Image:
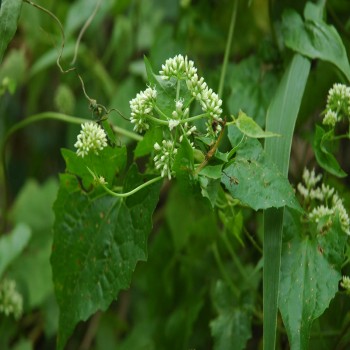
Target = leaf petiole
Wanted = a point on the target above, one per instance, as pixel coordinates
(126, 194)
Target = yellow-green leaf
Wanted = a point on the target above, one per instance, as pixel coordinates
(250, 128)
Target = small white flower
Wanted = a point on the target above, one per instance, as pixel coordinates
(212, 104)
(332, 203)
(303, 190)
(337, 95)
(343, 215)
(92, 138)
(178, 113)
(164, 160)
(179, 104)
(197, 86)
(330, 118)
(316, 194)
(179, 67)
(173, 123)
(101, 180)
(338, 103)
(320, 212)
(11, 302)
(327, 191)
(208, 99)
(141, 107)
(310, 178)
(345, 283)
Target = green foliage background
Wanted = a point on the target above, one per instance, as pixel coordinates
(201, 287)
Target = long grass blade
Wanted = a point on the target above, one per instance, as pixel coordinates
(281, 117)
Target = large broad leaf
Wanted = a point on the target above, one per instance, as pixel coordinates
(256, 181)
(9, 14)
(252, 87)
(97, 243)
(107, 163)
(307, 255)
(314, 38)
(232, 328)
(12, 244)
(324, 157)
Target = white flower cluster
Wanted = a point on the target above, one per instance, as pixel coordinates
(178, 67)
(182, 68)
(330, 118)
(310, 181)
(141, 107)
(11, 302)
(164, 160)
(338, 104)
(345, 283)
(92, 138)
(336, 207)
(208, 99)
(331, 204)
(179, 123)
(188, 130)
(178, 114)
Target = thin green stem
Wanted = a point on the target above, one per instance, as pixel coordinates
(158, 121)
(343, 136)
(83, 29)
(176, 99)
(189, 102)
(127, 133)
(234, 149)
(345, 263)
(42, 116)
(234, 257)
(228, 48)
(177, 90)
(223, 271)
(61, 31)
(183, 121)
(196, 117)
(252, 240)
(127, 194)
(11, 131)
(160, 112)
(36, 118)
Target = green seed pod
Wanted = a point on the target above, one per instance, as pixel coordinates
(198, 156)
